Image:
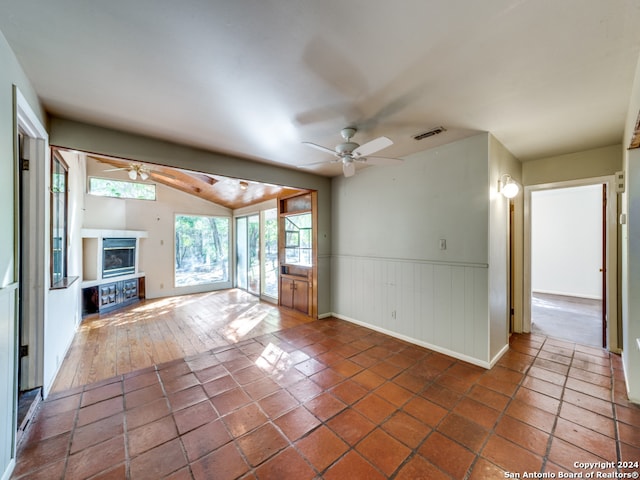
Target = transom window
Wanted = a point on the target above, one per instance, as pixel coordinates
(108, 187)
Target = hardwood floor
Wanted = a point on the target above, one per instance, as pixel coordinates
(157, 331)
(574, 319)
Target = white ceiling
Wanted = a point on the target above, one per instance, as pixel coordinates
(255, 78)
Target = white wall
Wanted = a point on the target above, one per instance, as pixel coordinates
(501, 162)
(158, 219)
(10, 74)
(630, 234)
(63, 308)
(594, 163)
(389, 272)
(566, 241)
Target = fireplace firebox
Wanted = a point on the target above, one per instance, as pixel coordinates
(118, 257)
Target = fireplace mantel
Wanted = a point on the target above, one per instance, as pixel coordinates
(109, 233)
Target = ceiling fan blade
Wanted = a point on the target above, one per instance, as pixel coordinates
(117, 169)
(380, 161)
(319, 147)
(315, 164)
(373, 146)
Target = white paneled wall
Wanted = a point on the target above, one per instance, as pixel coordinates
(442, 306)
(8, 298)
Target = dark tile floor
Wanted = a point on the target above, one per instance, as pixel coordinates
(334, 400)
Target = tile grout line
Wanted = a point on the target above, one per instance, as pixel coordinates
(502, 414)
(545, 459)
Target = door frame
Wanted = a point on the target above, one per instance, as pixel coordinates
(260, 213)
(31, 238)
(611, 265)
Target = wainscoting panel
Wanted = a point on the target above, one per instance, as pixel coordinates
(8, 394)
(439, 305)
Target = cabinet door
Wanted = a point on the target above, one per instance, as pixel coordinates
(301, 296)
(108, 295)
(129, 290)
(286, 292)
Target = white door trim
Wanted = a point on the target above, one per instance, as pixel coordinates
(611, 260)
(36, 149)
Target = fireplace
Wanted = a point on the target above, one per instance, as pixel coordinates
(118, 257)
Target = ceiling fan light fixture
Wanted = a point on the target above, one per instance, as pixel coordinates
(348, 168)
(349, 152)
(143, 175)
(132, 173)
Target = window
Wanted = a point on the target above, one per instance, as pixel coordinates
(298, 234)
(201, 250)
(107, 187)
(59, 181)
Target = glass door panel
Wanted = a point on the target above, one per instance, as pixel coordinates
(270, 262)
(241, 252)
(253, 254)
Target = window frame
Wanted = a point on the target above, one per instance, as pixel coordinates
(224, 283)
(115, 180)
(59, 224)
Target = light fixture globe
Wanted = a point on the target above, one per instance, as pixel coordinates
(508, 187)
(132, 173)
(348, 167)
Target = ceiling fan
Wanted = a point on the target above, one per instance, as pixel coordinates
(134, 171)
(350, 152)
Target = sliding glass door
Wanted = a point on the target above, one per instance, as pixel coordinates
(257, 253)
(241, 253)
(248, 253)
(253, 254)
(270, 241)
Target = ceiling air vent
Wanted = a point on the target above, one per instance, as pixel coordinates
(430, 133)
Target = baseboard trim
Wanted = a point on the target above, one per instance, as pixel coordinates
(9, 470)
(499, 355)
(415, 341)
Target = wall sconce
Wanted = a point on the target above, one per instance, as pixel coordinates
(507, 186)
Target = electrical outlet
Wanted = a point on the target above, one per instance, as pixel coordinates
(443, 244)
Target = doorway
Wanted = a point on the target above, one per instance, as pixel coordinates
(31, 155)
(570, 261)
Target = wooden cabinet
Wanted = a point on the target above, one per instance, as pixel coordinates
(298, 257)
(294, 292)
(107, 296)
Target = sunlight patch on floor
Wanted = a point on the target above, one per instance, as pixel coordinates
(274, 360)
(245, 323)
